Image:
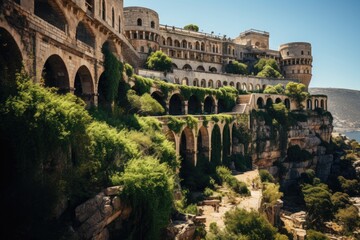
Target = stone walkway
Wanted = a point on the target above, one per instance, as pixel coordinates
(248, 203)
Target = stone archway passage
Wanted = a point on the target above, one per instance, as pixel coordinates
(83, 87)
(84, 34)
(160, 99)
(194, 105)
(176, 105)
(216, 146)
(55, 74)
(260, 102)
(51, 13)
(226, 158)
(10, 62)
(209, 105)
(187, 158)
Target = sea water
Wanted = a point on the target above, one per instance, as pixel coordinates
(353, 135)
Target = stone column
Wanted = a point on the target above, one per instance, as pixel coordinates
(186, 108)
(137, 35)
(216, 109)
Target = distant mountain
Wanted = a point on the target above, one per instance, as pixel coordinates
(344, 104)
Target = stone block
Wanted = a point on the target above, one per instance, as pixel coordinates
(112, 191)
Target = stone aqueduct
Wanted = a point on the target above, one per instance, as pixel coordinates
(60, 41)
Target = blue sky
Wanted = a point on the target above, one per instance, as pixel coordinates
(332, 27)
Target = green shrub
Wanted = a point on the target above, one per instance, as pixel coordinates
(314, 235)
(129, 70)
(208, 192)
(265, 176)
(225, 176)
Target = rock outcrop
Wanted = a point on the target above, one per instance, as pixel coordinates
(97, 213)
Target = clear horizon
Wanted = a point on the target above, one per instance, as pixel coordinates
(332, 28)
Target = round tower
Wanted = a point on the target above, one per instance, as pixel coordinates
(296, 61)
(142, 29)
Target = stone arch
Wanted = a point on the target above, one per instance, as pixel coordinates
(211, 83)
(174, 66)
(184, 43)
(209, 105)
(260, 102)
(102, 98)
(264, 87)
(188, 156)
(194, 105)
(322, 105)
(226, 144)
(83, 85)
(278, 100)
(163, 41)
(250, 87)
(55, 74)
(187, 67)
(158, 96)
(213, 69)
(109, 45)
(203, 83)
(139, 22)
(244, 88)
(152, 24)
(197, 45)
(10, 61)
(218, 84)
(316, 103)
(202, 46)
(169, 41)
(225, 83)
(50, 12)
(189, 138)
(309, 104)
(258, 87)
(238, 86)
(196, 82)
(200, 68)
(221, 106)
(232, 84)
(176, 43)
(269, 102)
(216, 144)
(203, 144)
(185, 81)
(176, 104)
(85, 35)
(287, 103)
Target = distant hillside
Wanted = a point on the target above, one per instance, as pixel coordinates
(344, 106)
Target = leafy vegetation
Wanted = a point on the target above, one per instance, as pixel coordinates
(159, 61)
(226, 177)
(296, 92)
(265, 176)
(276, 89)
(236, 68)
(192, 27)
(267, 68)
(314, 235)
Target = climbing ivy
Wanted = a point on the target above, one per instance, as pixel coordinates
(175, 124)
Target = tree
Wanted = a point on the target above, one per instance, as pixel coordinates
(271, 194)
(348, 218)
(297, 92)
(340, 200)
(315, 235)
(159, 61)
(265, 176)
(144, 104)
(349, 186)
(192, 27)
(318, 203)
(277, 89)
(251, 224)
(236, 68)
(269, 72)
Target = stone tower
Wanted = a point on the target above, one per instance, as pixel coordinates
(142, 29)
(296, 61)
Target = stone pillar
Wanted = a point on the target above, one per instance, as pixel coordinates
(131, 35)
(216, 109)
(202, 107)
(137, 35)
(186, 107)
(143, 34)
(167, 107)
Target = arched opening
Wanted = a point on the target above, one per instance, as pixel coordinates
(309, 104)
(187, 162)
(200, 68)
(185, 81)
(184, 43)
(322, 105)
(225, 83)
(203, 170)
(10, 63)
(203, 83)
(197, 45)
(139, 22)
(221, 106)
(211, 83)
(119, 24)
(187, 67)
(278, 100)
(287, 103)
(51, 13)
(158, 96)
(84, 34)
(203, 144)
(232, 84)
(269, 102)
(226, 156)
(103, 8)
(83, 87)
(250, 87)
(196, 82)
(176, 105)
(152, 24)
(316, 103)
(209, 105)
(216, 146)
(244, 88)
(218, 84)
(169, 41)
(260, 103)
(102, 91)
(90, 5)
(238, 86)
(55, 74)
(258, 87)
(176, 43)
(194, 105)
(202, 46)
(213, 70)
